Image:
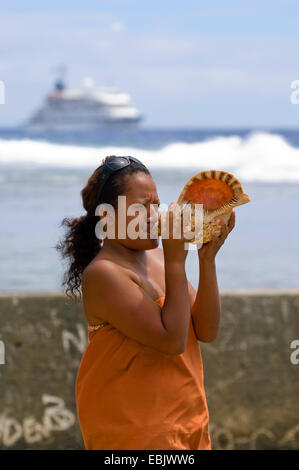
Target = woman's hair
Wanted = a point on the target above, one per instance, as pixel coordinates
(80, 243)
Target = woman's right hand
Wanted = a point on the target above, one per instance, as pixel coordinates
(174, 248)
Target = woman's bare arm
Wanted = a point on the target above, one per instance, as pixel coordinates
(111, 292)
(125, 305)
(206, 307)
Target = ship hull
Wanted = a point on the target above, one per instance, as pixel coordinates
(81, 126)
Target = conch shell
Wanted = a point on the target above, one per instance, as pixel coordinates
(219, 192)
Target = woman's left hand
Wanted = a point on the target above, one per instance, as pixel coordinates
(209, 250)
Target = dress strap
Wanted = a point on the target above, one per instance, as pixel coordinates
(101, 325)
(96, 327)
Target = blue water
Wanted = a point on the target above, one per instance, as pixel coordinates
(41, 178)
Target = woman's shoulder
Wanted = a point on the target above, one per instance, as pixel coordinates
(94, 276)
(102, 267)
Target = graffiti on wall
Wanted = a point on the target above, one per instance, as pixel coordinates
(224, 439)
(56, 417)
(2, 352)
(71, 340)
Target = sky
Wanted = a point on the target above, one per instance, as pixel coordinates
(193, 64)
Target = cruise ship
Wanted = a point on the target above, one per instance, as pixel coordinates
(86, 109)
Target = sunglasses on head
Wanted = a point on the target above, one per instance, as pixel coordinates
(113, 165)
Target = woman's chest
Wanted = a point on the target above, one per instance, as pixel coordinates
(151, 279)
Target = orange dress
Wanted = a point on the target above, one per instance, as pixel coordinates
(132, 397)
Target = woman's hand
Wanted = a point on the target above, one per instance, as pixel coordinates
(209, 250)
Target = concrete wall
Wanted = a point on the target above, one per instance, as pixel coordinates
(251, 383)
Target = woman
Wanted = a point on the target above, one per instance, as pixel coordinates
(140, 382)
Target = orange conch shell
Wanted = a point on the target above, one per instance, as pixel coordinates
(219, 192)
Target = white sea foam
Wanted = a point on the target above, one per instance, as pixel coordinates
(259, 157)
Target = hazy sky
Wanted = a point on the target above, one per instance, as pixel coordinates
(217, 63)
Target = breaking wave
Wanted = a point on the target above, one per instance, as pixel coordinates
(258, 157)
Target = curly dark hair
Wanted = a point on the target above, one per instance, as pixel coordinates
(80, 243)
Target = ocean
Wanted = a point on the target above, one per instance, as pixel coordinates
(41, 178)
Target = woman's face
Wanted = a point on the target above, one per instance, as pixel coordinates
(142, 193)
